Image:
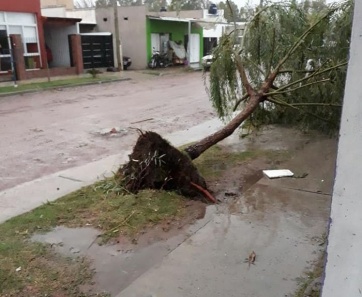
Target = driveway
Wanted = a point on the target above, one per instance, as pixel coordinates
(45, 132)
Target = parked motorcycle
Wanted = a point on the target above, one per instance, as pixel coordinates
(158, 60)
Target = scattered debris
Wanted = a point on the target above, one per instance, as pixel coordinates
(74, 250)
(278, 173)
(150, 119)
(314, 287)
(303, 175)
(115, 131)
(251, 259)
(70, 178)
(37, 130)
(308, 191)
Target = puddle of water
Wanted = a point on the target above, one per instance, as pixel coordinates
(117, 265)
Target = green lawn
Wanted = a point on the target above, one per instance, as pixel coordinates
(42, 272)
(33, 269)
(54, 84)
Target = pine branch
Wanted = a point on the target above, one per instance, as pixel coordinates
(237, 103)
(255, 65)
(243, 76)
(272, 54)
(279, 101)
(316, 104)
(295, 71)
(277, 92)
(310, 76)
(246, 29)
(233, 17)
(295, 46)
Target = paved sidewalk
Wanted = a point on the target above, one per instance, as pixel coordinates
(30, 195)
(282, 220)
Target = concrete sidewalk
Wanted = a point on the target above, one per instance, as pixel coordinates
(30, 195)
(283, 221)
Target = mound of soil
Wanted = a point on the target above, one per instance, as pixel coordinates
(155, 164)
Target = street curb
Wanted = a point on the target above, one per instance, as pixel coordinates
(27, 196)
(63, 87)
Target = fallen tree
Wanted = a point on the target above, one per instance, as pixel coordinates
(264, 76)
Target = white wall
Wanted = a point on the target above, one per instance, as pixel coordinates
(343, 275)
(216, 31)
(88, 16)
(213, 30)
(58, 12)
(56, 37)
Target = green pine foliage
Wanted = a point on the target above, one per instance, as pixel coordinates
(318, 33)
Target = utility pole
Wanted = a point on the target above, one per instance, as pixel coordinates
(117, 37)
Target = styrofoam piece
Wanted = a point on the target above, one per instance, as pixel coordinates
(278, 173)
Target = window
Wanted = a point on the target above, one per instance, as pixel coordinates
(25, 25)
(20, 18)
(5, 58)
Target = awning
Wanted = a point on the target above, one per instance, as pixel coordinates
(61, 20)
(205, 23)
(171, 19)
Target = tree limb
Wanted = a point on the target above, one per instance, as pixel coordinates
(243, 77)
(284, 103)
(272, 54)
(316, 104)
(294, 47)
(246, 96)
(277, 92)
(310, 76)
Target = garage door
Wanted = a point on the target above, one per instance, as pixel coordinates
(97, 51)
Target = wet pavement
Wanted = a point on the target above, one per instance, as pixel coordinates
(49, 131)
(283, 220)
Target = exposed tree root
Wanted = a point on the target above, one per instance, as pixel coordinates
(155, 164)
(205, 192)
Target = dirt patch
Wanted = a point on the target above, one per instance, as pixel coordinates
(194, 210)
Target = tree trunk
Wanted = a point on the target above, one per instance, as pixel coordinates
(197, 149)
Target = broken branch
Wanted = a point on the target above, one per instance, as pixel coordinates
(278, 92)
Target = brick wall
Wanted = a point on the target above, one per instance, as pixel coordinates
(22, 73)
(59, 71)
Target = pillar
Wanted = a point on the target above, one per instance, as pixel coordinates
(18, 56)
(76, 51)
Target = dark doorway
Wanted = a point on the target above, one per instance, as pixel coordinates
(209, 44)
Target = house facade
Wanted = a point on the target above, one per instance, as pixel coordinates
(68, 4)
(30, 43)
(142, 31)
(22, 17)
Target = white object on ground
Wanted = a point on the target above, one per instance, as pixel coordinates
(278, 173)
(179, 50)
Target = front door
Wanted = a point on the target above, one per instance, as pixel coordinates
(195, 48)
(155, 42)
